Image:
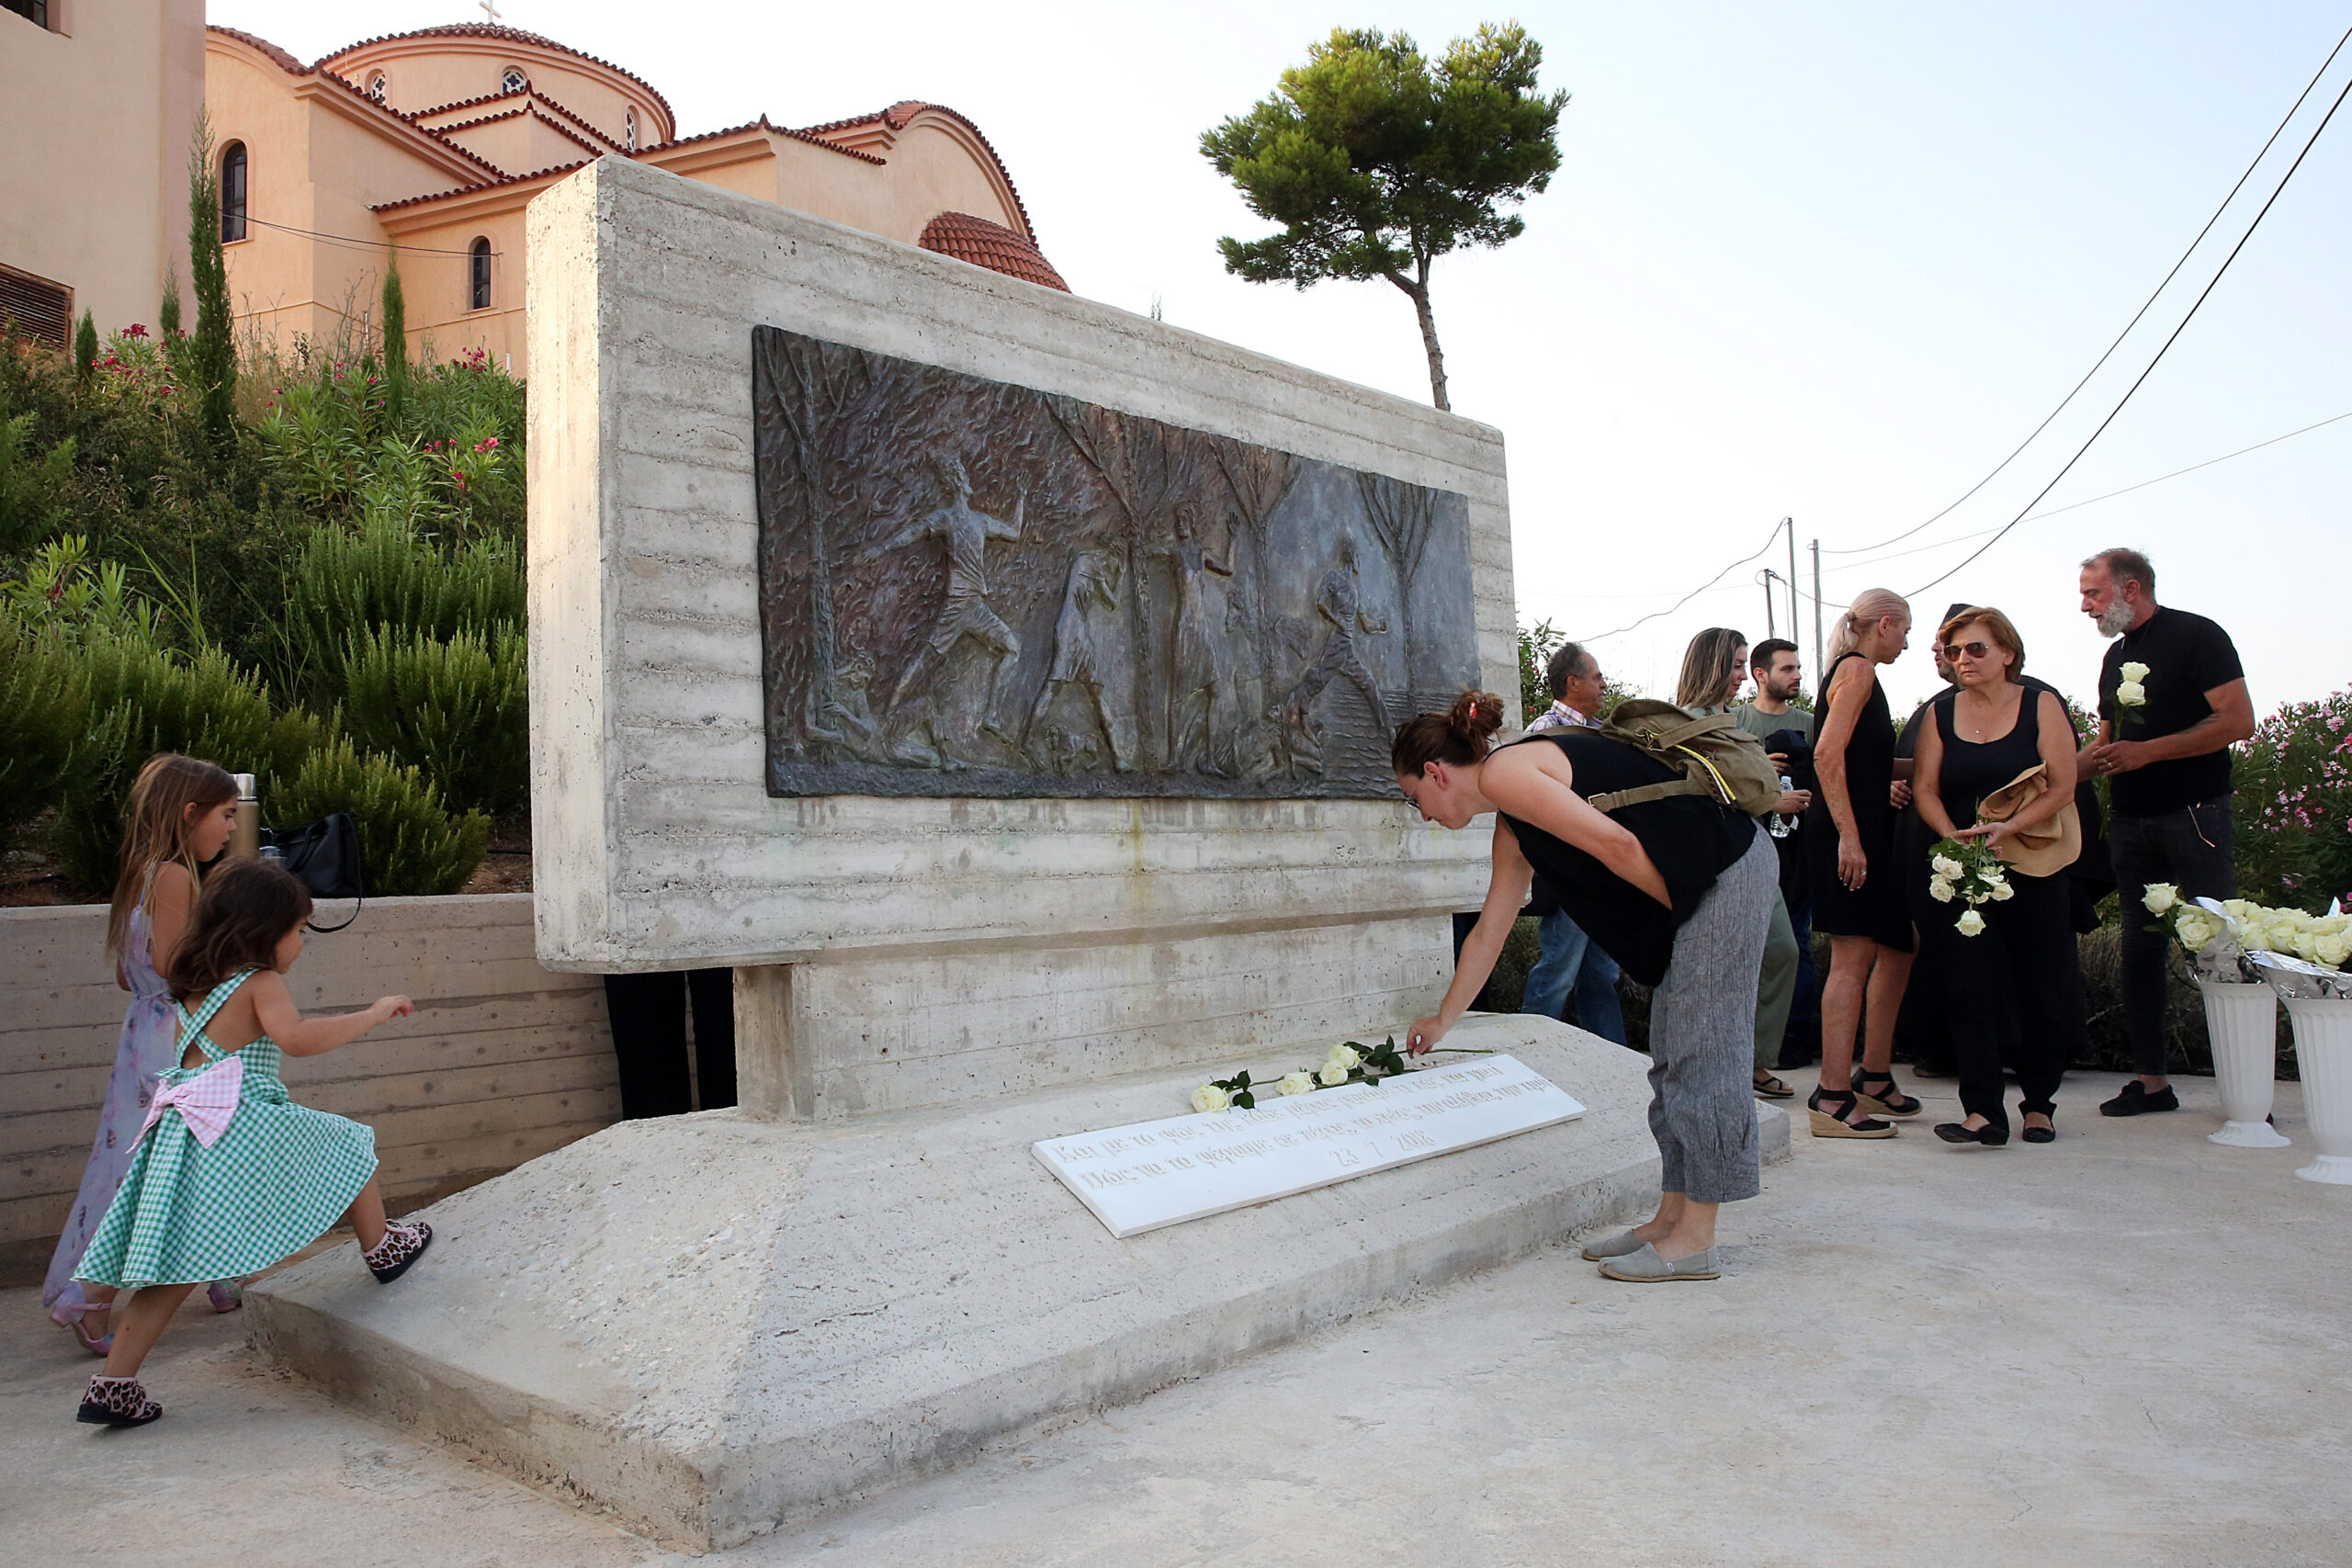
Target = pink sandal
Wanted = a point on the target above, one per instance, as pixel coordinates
(226, 1295)
(97, 1345)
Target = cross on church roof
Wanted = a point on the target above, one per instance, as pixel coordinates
(490, 10)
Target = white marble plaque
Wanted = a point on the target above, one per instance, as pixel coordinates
(1140, 1178)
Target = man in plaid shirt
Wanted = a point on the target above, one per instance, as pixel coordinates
(1572, 961)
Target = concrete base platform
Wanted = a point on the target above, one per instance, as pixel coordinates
(712, 1325)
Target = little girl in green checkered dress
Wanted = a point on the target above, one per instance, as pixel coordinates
(229, 1176)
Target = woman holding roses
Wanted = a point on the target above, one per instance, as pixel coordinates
(2005, 963)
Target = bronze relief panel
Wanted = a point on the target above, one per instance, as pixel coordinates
(971, 588)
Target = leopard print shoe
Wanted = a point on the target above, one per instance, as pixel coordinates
(117, 1402)
(402, 1245)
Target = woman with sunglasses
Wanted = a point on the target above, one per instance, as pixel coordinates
(2006, 989)
(1855, 886)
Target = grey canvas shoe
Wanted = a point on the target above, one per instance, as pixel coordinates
(1645, 1267)
(1612, 1247)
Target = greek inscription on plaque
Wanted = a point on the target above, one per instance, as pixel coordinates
(972, 588)
(1296, 1143)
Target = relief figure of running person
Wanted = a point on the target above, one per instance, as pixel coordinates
(966, 613)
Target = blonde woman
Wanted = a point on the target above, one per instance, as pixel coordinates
(1856, 888)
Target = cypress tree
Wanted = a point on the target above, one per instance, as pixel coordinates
(395, 344)
(212, 350)
(167, 322)
(86, 346)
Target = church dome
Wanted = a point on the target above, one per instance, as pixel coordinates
(466, 63)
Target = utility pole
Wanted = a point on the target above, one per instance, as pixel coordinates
(1770, 630)
(1792, 575)
(1816, 614)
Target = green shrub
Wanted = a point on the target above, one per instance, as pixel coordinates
(408, 842)
(42, 704)
(139, 700)
(383, 575)
(455, 710)
(2294, 806)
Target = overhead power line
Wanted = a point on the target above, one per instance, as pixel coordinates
(2144, 306)
(2093, 501)
(2207, 293)
(1726, 572)
(362, 244)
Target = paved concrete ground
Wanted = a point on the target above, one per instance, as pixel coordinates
(2128, 1347)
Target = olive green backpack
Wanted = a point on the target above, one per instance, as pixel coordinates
(1714, 756)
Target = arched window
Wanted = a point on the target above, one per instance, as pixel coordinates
(512, 80)
(233, 192)
(480, 294)
(628, 130)
(378, 85)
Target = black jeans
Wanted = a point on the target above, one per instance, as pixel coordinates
(2193, 849)
(649, 1019)
(2007, 993)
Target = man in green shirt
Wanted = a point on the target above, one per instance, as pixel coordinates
(1785, 1002)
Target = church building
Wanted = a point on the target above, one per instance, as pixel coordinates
(429, 144)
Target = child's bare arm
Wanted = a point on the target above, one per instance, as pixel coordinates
(300, 1036)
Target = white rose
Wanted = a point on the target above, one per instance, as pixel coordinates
(2160, 897)
(1971, 923)
(1208, 1096)
(1332, 1074)
(2196, 930)
(2133, 671)
(1296, 1083)
(1945, 867)
(2131, 694)
(1348, 1060)
(2333, 950)
(2002, 893)
(1939, 890)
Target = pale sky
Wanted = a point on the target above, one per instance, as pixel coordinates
(1822, 261)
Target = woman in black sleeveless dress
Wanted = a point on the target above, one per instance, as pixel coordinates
(1856, 888)
(2007, 988)
(1678, 890)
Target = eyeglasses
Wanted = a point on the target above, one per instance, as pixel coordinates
(1973, 649)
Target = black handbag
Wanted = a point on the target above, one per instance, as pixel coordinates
(324, 857)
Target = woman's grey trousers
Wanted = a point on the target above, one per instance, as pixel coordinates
(1703, 1036)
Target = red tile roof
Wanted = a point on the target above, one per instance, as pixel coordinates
(991, 246)
(294, 67)
(577, 122)
(511, 35)
(486, 184)
(762, 124)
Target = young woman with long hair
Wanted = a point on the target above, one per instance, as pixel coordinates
(1713, 666)
(177, 818)
(1678, 890)
(1856, 887)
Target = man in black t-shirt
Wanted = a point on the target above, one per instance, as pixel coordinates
(2172, 700)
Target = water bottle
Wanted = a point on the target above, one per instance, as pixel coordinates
(1779, 824)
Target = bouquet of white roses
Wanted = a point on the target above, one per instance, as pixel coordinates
(1349, 1061)
(2215, 935)
(2131, 689)
(1969, 873)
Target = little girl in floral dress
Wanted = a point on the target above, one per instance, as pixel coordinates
(177, 818)
(229, 1176)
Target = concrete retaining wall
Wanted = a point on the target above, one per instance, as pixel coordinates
(503, 1062)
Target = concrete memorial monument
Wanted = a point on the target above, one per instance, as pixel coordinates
(998, 681)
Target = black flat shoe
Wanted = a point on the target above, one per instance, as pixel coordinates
(2040, 1134)
(1960, 1133)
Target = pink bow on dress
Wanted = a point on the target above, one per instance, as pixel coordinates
(206, 1101)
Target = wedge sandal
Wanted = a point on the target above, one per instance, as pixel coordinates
(1832, 1122)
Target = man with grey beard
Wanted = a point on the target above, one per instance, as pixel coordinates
(2172, 700)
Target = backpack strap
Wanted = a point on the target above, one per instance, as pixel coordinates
(192, 1025)
(1641, 795)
